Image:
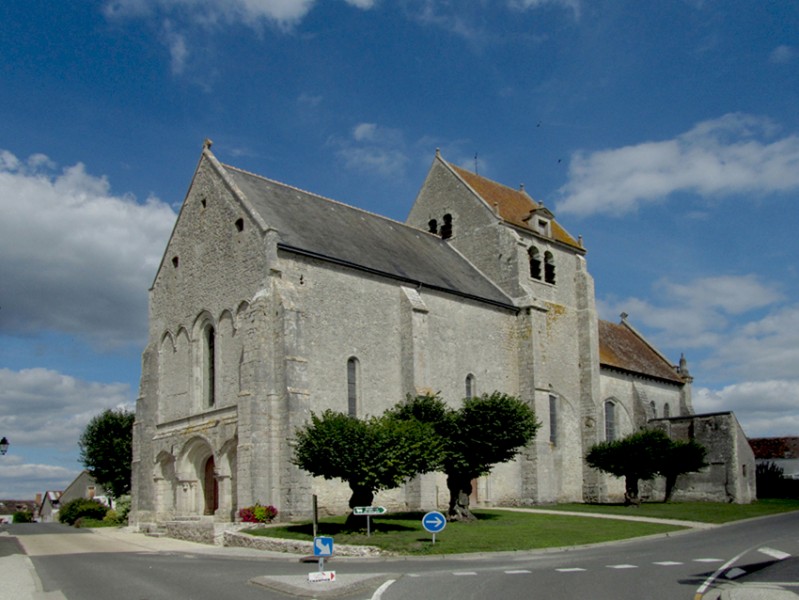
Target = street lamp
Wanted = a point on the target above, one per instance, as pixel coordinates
(4, 445)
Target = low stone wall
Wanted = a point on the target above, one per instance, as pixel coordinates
(243, 540)
(201, 531)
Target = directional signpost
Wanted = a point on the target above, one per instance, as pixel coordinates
(434, 522)
(368, 511)
(322, 547)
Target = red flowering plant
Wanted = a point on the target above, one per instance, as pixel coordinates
(257, 513)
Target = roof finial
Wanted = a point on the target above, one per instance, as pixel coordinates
(624, 316)
(521, 187)
(207, 144)
(475, 164)
(438, 152)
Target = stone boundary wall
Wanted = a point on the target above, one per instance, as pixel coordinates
(242, 540)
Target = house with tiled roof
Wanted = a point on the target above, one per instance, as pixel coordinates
(782, 451)
(272, 302)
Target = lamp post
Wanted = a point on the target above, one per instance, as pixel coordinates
(4, 445)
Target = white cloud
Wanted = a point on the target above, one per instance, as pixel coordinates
(764, 408)
(74, 258)
(284, 13)
(705, 309)
(731, 155)
(373, 148)
(46, 409)
(782, 54)
(573, 5)
(178, 50)
(22, 481)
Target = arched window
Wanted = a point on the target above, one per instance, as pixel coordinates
(535, 262)
(209, 365)
(654, 409)
(549, 268)
(432, 226)
(352, 386)
(446, 227)
(553, 419)
(471, 390)
(666, 410)
(610, 421)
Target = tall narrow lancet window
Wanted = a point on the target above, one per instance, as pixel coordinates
(352, 386)
(553, 419)
(549, 267)
(610, 421)
(446, 227)
(432, 226)
(209, 365)
(471, 390)
(654, 409)
(535, 262)
(666, 410)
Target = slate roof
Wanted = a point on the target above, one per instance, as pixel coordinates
(514, 205)
(315, 226)
(621, 347)
(773, 448)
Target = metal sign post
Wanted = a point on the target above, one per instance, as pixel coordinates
(368, 511)
(322, 547)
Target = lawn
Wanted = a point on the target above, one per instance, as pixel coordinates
(500, 531)
(705, 512)
(494, 531)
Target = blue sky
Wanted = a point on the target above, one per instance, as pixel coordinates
(665, 133)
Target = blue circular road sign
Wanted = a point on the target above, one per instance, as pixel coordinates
(434, 521)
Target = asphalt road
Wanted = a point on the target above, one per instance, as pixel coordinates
(743, 560)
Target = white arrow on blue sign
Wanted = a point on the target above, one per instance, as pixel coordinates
(434, 521)
(323, 546)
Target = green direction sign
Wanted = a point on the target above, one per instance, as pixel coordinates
(369, 510)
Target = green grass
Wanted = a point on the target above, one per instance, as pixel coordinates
(501, 531)
(494, 531)
(704, 512)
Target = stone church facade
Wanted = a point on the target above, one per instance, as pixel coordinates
(271, 303)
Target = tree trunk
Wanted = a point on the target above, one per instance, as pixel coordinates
(460, 488)
(671, 482)
(631, 491)
(361, 496)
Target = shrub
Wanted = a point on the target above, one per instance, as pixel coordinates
(22, 516)
(772, 484)
(81, 507)
(258, 514)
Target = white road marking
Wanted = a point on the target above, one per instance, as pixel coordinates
(667, 563)
(517, 572)
(708, 560)
(622, 566)
(778, 554)
(465, 573)
(379, 591)
(570, 570)
(734, 573)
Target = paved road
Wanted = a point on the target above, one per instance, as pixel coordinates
(744, 561)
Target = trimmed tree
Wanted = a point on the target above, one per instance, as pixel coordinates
(683, 457)
(485, 431)
(106, 450)
(370, 455)
(644, 455)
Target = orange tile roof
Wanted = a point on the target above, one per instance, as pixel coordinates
(772, 448)
(514, 206)
(622, 348)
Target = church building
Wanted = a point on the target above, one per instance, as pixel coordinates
(271, 303)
